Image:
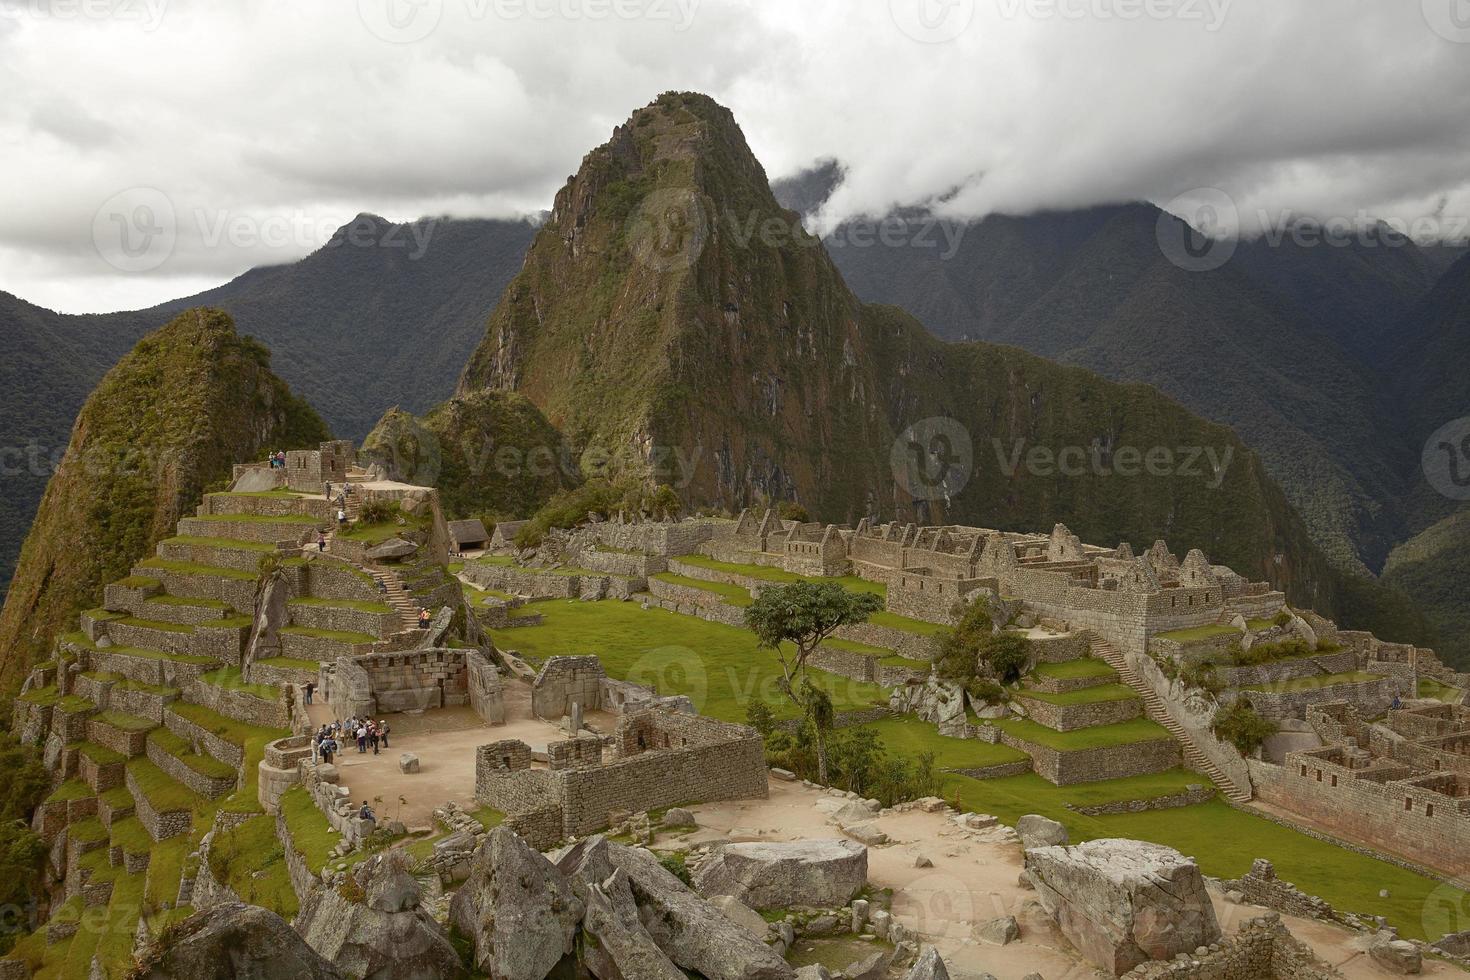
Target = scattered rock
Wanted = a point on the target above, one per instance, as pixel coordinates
(813, 971)
(408, 762)
(1397, 956)
(866, 833)
(785, 775)
(519, 909)
(998, 932)
(623, 949)
(920, 861)
(772, 875)
(393, 548)
(679, 817)
(1123, 902)
(872, 967)
(928, 966)
(1038, 831)
(822, 925)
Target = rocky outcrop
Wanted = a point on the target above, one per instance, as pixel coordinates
(778, 875)
(1124, 902)
(233, 942)
(518, 908)
(271, 615)
(372, 925)
(936, 701)
(690, 931)
(928, 966)
(620, 948)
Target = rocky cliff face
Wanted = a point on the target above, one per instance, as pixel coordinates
(672, 314)
(169, 420)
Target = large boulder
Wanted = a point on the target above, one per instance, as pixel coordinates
(778, 875)
(934, 700)
(621, 949)
(233, 942)
(1124, 902)
(928, 966)
(690, 931)
(518, 908)
(371, 925)
(1038, 831)
(1397, 956)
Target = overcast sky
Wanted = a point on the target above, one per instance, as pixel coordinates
(247, 130)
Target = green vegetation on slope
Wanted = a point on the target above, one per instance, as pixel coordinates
(189, 401)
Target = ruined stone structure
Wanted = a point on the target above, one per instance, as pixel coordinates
(1402, 785)
(658, 757)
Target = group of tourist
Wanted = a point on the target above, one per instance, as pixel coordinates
(277, 460)
(368, 734)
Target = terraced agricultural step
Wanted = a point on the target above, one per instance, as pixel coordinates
(1155, 710)
(165, 806)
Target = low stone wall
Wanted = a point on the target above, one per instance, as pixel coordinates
(1070, 717)
(1260, 886)
(345, 619)
(1066, 685)
(280, 769)
(160, 825)
(845, 663)
(687, 595)
(210, 786)
(150, 670)
(326, 578)
(129, 743)
(240, 704)
(1173, 801)
(1060, 648)
(628, 565)
(239, 559)
(525, 581)
(101, 777)
(227, 752)
(1091, 765)
(1373, 697)
(486, 690)
(905, 644)
(238, 593)
(265, 673)
(716, 612)
(260, 532)
(1339, 662)
(143, 704)
(323, 649)
(70, 726)
(999, 771)
(1263, 949)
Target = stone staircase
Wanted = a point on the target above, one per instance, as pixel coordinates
(1155, 710)
(397, 596)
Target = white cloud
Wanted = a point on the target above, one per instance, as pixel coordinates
(278, 119)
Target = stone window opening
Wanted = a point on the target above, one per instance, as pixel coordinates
(1409, 804)
(1429, 809)
(1304, 770)
(1319, 775)
(1334, 780)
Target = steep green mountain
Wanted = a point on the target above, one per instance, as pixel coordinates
(1433, 568)
(1285, 342)
(385, 314)
(491, 453)
(670, 304)
(168, 420)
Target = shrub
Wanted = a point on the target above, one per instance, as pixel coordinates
(1239, 725)
(1201, 675)
(1006, 654)
(1282, 618)
(673, 863)
(959, 648)
(790, 510)
(378, 512)
(985, 691)
(758, 715)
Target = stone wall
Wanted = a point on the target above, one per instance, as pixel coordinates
(124, 740)
(279, 769)
(326, 578)
(160, 825)
(1403, 816)
(209, 786)
(717, 612)
(1336, 662)
(666, 757)
(203, 740)
(1373, 697)
(1070, 717)
(230, 503)
(486, 689)
(564, 680)
(380, 624)
(658, 538)
(1090, 765)
(1191, 796)
(240, 704)
(259, 531)
(1263, 949)
(1260, 886)
(411, 680)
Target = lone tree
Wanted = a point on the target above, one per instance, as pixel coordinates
(804, 614)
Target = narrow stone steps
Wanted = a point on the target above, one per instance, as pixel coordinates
(1156, 711)
(395, 595)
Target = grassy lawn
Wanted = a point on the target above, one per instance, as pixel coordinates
(904, 624)
(1088, 695)
(852, 646)
(1080, 669)
(177, 600)
(231, 544)
(303, 519)
(313, 836)
(205, 765)
(252, 862)
(374, 533)
(733, 595)
(1198, 633)
(291, 663)
(161, 790)
(1097, 737)
(341, 636)
(908, 736)
(101, 754)
(1313, 683)
(719, 667)
(232, 679)
(155, 624)
(194, 568)
(1431, 688)
(124, 722)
